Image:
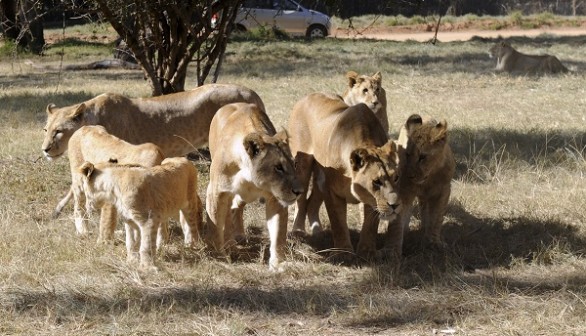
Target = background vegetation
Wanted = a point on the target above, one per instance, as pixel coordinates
(515, 227)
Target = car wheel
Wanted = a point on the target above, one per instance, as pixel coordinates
(316, 31)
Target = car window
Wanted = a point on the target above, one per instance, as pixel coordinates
(259, 4)
(284, 5)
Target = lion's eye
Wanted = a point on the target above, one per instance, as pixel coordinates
(365, 90)
(279, 168)
(44, 129)
(377, 183)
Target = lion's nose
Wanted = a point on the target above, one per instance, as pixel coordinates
(394, 206)
(297, 190)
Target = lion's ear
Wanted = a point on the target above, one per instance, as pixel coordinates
(440, 132)
(50, 108)
(413, 120)
(389, 147)
(377, 77)
(358, 158)
(351, 76)
(283, 136)
(87, 168)
(78, 112)
(253, 144)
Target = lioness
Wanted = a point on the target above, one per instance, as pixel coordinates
(94, 144)
(144, 198)
(429, 169)
(178, 123)
(368, 90)
(356, 163)
(361, 89)
(249, 161)
(510, 60)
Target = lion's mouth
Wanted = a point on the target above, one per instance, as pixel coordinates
(52, 157)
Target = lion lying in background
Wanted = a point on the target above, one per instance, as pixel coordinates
(144, 198)
(510, 60)
(94, 144)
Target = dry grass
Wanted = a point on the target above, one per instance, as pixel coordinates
(515, 227)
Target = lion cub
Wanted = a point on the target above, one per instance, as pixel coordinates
(429, 169)
(249, 162)
(368, 90)
(144, 198)
(95, 144)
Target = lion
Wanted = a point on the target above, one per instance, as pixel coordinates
(352, 161)
(429, 168)
(144, 198)
(178, 123)
(510, 60)
(368, 90)
(250, 161)
(95, 144)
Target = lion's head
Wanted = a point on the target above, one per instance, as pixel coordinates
(61, 124)
(425, 148)
(272, 166)
(365, 89)
(375, 176)
(500, 49)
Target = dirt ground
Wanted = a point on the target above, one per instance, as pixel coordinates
(449, 36)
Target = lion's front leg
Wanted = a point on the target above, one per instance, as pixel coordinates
(276, 216)
(218, 210)
(303, 169)
(80, 213)
(367, 243)
(234, 230)
(108, 221)
(191, 220)
(132, 241)
(337, 209)
(148, 241)
(432, 216)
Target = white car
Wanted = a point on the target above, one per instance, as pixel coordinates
(286, 15)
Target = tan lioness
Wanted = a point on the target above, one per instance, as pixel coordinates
(368, 90)
(510, 60)
(249, 162)
(356, 163)
(144, 198)
(94, 144)
(178, 123)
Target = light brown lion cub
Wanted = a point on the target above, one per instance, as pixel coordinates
(353, 161)
(94, 144)
(429, 169)
(510, 60)
(144, 198)
(368, 90)
(249, 162)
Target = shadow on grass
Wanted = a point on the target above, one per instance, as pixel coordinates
(31, 107)
(492, 149)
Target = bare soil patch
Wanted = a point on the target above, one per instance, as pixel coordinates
(422, 35)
